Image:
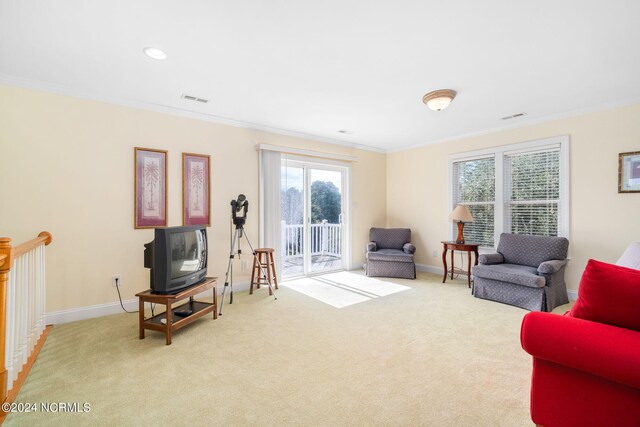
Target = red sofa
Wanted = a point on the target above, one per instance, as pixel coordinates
(586, 364)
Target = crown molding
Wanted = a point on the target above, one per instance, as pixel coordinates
(174, 111)
(522, 124)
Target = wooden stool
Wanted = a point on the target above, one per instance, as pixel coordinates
(264, 259)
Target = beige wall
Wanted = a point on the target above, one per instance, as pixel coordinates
(602, 222)
(66, 166)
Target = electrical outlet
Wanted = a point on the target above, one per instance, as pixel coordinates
(435, 253)
(116, 279)
(244, 264)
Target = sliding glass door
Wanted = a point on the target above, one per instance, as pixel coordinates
(326, 226)
(292, 210)
(313, 217)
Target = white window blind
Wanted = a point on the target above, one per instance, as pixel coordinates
(518, 188)
(474, 186)
(532, 192)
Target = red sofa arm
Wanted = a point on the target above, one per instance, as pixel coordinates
(596, 348)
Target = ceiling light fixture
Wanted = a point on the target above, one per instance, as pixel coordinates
(438, 100)
(155, 53)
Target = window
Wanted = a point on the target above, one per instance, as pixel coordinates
(520, 188)
(532, 192)
(474, 186)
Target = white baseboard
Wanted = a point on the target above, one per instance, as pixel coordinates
(356, 266)
(426, 268)
(89, 312)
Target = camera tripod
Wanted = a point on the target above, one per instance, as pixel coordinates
(239, 221)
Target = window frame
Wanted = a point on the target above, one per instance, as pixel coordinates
(499, 153)
(454, 191)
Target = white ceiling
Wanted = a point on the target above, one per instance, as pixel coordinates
(312, 68)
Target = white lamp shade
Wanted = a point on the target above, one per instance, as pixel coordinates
(461, 214)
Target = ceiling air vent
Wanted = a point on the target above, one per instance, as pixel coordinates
(194, 98)
(514, 116)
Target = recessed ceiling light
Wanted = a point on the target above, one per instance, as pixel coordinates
(155, 53)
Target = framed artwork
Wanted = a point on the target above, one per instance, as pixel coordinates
(150, 188)
(196, 189)
(629, 172)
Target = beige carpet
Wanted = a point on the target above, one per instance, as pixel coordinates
(430, 355)
(344, 288)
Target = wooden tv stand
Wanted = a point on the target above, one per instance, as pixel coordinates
(172, 321)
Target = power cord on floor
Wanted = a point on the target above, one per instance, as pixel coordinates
(120, 298)
(455, 272)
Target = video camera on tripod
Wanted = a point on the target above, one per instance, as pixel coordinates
(239, 208)
(241, 204)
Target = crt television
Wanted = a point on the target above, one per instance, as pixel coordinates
(177, 258)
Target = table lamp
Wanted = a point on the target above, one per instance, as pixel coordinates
(461, 214)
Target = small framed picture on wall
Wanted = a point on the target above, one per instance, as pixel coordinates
(196, 189)
(150, 188)
(629, 172)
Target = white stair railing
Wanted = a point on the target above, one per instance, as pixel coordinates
(22, 305)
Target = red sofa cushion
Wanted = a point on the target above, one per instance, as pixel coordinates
(605, 293)
(605, 351)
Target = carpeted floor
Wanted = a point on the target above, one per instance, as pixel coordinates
(429, 355)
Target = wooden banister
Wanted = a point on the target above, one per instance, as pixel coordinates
(7, 256)
(44, 237)
(5, 266)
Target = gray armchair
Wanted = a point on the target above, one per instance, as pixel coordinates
(390, 253)
(527, 271)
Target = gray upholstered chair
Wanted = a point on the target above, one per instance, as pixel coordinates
(527, 271)
(390, 253)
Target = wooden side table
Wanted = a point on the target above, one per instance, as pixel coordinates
(168, 321)
(465, 247)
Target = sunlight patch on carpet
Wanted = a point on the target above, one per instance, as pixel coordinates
(343, 289)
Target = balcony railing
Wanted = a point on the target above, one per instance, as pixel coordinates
(326, 239)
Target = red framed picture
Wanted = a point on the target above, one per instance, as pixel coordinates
(150, 188)
(196, 189)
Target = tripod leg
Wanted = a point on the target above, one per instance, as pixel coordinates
(231, 286)
(229, 272)
(262, 273)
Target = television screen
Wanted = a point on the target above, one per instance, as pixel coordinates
(177, 258)
(186, 248)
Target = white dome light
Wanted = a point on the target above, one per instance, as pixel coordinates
(438, 100)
